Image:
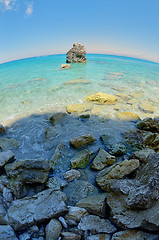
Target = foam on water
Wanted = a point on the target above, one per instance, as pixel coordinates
(38, 84)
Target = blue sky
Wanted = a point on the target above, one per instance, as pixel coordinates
(40, 27)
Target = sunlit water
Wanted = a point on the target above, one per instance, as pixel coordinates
(39, 85)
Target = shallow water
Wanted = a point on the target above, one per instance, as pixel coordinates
(37, 85)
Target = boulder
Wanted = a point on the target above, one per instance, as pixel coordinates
(81, 159)
(76, 54)
(117, 171)
(6, 157)
(57, 117)
(8, 144)
(71, 175)
(81, 141)
(95, 224)
(77, 108)
(65, 66)
(70, 236)
(94, 204)
(29, 211)
(102, 160)
(134, 235)
(7, 233)
(76, 213)
(118, 149)
(146, 106)
(101, 98)
(53, 230)
(149, 124)
(127, 116)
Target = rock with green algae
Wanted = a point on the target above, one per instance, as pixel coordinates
(101, 98)
(81, 159)
(118, 149)
(102, 160)
(81, 141)
(77, 108)
(117, 171)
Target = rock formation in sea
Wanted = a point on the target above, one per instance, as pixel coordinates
(76, 54)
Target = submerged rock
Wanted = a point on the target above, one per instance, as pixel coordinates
(81, 159)
(102, 159)
(53, 230)
(6, 157)
(77, 108)
(77, 81)
(8, 144)
(76, 54)
(146, 106)
(127, 116)
(81, 141)
(118, 149)
(65, 66)
(29, 211)
(102, 98)
(56, 117)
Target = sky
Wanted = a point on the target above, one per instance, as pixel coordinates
(42, 27)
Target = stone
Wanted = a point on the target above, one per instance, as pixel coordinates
(71, 175)
(81, 141)
(101, 98)
(134, 235)
(6, 157)
(99, 237)
(76, 213)
(56, 183)
(2, 129)
(117, 171)
(77, 108)
(63, 222)
(94, 204)
(3, 210)
(25, 236)
(50, 133)
(7, 196)
(127, 116)
(102, 160)
(7, 233)
(57, 117)
(81, 159)
(149, 124)
(65, 66)
(29, 211)
(76, 54)
(146, 106)
(105, 138)
(78, 189)
(118, 149)
(142, 155)
(57, 155)
(8, 144)
(70, 236)
(95, 224)
(53, 230)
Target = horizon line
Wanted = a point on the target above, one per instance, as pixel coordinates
(108, 53)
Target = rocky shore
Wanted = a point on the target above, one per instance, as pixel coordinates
(78, 184)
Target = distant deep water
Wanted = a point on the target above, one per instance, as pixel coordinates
(38, 84)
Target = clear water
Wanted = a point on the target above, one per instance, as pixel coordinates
(37, 85)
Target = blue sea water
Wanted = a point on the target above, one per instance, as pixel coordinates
(38, 84)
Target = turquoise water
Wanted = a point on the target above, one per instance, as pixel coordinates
(38, 84)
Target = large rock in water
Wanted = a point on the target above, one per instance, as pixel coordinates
(76, 54)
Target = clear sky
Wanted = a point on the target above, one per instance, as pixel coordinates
(41, 27)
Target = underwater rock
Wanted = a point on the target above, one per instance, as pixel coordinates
(117, 171)
(149, 124)
(146, 106)
(127, 116)
(65, 66)
(94, 204)
(81, 159)
(76, 213)
(2, 129)
(76, 54)
(134, 235)
(53, 230)
(70, 236)
(56, 117)
(7, 233)
(142, 155)
(6, 157)
(101, 98)
(81, 141)
(71, 175)
(8, 144)
(77, 81)
(102, 160)
(96, 224)
(77, 108)
(38, 208)
(118, 149)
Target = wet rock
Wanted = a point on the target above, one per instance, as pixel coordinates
(146, 106)
(53, 230)
(8, 144)
(118, 149)
(38, 208)
(78, 189)
(65, 66)
(81, 159)
(142, 155)
(96, 224)
(81, 141)
(117, 171)
(149, 124)
(72, 175)
(76, 213)
(70, 236)
(102, 98)
(77, 108)
(127, 116)
(76, 54)
(56, 183)
(6, 157)
(7, 233)
(94, 204)
(99, 237)
(57, 117)
(134, 235)
(2, 129)
(63, 222)
(102, 160)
